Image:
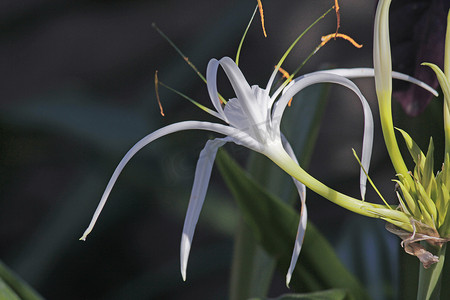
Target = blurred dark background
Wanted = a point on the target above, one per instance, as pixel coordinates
(77, 92)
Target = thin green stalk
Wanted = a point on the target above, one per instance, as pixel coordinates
(301, 35)
(243, 37)
(383, 84)
(199, 74)
(284, 161)
(387, 126)
(430, 279)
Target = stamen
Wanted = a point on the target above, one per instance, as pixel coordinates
(284, 73)
(157, 93)
(261, 12)
(186, 59)
(327, 38)
(338, 17)
(289, 79)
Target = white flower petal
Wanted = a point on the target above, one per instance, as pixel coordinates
(235, 115)
(271, 79)
(237, 135)
(313, 78)
(211, 84)
(303, 215)
(199, 188)
(240, 86)
(369, 72)
(255, 113)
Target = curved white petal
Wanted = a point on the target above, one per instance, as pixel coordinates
(248, 100)
(302, 82)
(240, 85)
(369, 72)
(303, 215)
(242, 137)
(198, 193)
(235, 115)
(271, 79)
(211, 84)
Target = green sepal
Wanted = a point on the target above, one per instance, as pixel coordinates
(416, 154)
(444, 229)
(442, 203)
(428, 205)
(427, 171)
(443, 81)
(410, 202)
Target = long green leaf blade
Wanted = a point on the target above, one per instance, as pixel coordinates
(334, 294)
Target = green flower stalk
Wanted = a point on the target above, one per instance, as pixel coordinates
(423, 195)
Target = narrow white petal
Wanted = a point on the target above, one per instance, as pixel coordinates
(235, 114)
(236, 134)
(303, 215)
(211, 84)
(313, 78)
(240, 85)
(201, 181)
(271, 79)
(369, 72)
(246, 96)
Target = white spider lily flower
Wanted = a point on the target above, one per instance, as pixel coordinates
(253, 121)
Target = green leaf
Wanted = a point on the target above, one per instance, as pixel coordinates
(12, 287)
(6, 293)
(334, 294)
(274, 225)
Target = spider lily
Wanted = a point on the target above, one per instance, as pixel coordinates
(253, 121)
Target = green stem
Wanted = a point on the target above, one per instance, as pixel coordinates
(383, 85)
(387, 126)
(430, 279)
(285, 162)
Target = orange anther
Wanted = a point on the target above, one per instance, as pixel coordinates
(285, 75)
(338, 17)
(261, 12)
(157, 93)
(326, 38)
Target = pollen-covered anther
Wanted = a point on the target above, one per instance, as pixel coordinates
(261, 13)
(326, 38)
(287, 76)
(338, 17)
(157, 93)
